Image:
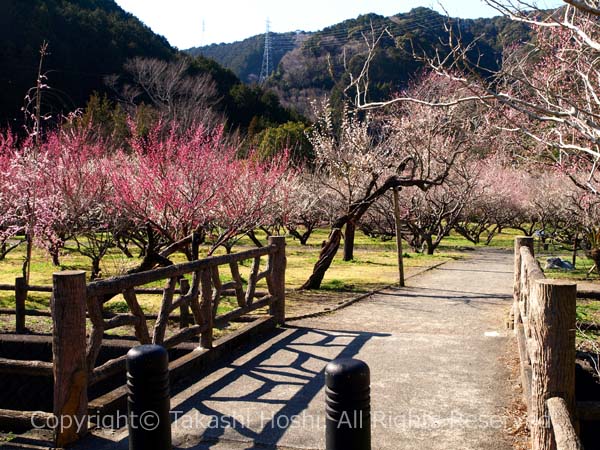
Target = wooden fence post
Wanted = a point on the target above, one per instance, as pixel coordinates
(20, 297)
(206, 308)
(515, 315)
(552, 348)
(277, 263)
(184, 317)
(69, 356)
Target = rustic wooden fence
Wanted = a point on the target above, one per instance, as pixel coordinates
(544, 321)
(20, 288)
(76, 304)
(20, 312)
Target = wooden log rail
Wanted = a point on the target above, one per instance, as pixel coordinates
(197, 297)
(543, 318)
(23, 419)
(21, 290)
(565, 436)
(26, 367)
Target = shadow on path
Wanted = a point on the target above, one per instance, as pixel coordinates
(255, 402)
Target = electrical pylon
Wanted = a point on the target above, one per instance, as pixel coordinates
(267, 62)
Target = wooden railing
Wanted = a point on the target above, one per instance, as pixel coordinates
(75, 356)
(562, 426)
(20, 288)
(544, 312)
(21, 312)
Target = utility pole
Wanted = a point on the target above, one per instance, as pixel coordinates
(398, 223)
(267, 62)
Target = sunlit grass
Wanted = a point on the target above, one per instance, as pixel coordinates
(374, 266)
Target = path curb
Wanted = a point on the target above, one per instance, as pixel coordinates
(351, 301)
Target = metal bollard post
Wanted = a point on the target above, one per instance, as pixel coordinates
(347, 391)
(148, 399)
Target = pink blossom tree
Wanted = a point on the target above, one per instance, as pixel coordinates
(253, 194)
(57, 190)
(11, 223)
(83, 207)
(26, 195)
(312, 205)
(498, 200)
(426, 217)
(176, 184)
(168, 186)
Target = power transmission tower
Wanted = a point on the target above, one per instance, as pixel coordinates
(267, 62)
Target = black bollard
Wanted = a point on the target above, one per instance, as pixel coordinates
(347, 391)
(148, 400)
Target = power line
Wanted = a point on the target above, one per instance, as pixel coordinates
(344, 36)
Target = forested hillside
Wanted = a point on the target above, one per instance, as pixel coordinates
(310, 65)
(87, 40)
(90, 40)
(244, 58)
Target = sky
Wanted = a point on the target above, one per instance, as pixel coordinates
(193, 23)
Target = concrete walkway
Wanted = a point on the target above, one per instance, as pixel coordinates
(435, 350)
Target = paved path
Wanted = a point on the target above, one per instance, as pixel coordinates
(435, 350)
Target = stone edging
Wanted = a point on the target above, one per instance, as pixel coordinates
(351, 301)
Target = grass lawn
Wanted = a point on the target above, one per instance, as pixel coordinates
(588, 311)
(374, 267)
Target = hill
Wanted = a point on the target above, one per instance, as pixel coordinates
(87, 39)
(313, 64)
(245, 57)
(91, 39)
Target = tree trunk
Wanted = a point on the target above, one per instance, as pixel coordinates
(349, 241)
(122, 245)
(27, 262)
(325, 258)
(55, 257)
(355, 213)
(303, 238)
(575, 246)
(254, 239)
(492, 234)
(429, 244)
(95, 268)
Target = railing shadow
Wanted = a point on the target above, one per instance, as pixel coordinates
(256, 401)
(267, 414)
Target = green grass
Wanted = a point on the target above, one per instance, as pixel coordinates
(588, 311)
(7, 437)
(374, 266)
(503, 240)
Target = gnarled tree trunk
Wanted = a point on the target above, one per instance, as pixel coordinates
(355, 213)
(349, 240)
(328, 252)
